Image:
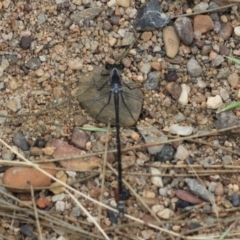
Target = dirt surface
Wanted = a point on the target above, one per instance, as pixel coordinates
(46, 48)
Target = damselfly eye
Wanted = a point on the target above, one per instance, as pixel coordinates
(109, 66)
(120, 66)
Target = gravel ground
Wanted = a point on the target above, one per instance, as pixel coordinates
(190, 186)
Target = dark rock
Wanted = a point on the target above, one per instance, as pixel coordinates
(153, 80)
(150, 17)
(25, 42)
(40, 143)
(166, 154)
(171, 75)
(20, 141)
(194, 225)
(182, 204)
(235, 200)
(184, 29)
(34, 63)
(26, 230)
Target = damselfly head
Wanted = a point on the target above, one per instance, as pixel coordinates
(118, 66)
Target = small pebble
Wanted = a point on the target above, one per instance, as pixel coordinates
(180, 130)
(184, 29)
(212, 186)
(203, 23)
(20, 141)
(166, 154)
(156, 180)
(193, 67)
(75, 64)
(202, 6)
(60, 206)
(174, 89)
(235, 200)
(145, 68)
(166, 214)
(181, 153)
(187, 196)
(123, 3)
(237, 31)
(235, 187)
(79, 138)
(233, 79)
(26, 230)
(163, 191)
(183, 98)
(225, 31)
(34, 63)
(147, 234)
(199, 190)
(43, 202)
(171, 41)
(217, 61)
(214, 102)
(58, 197)
(76, 212)
(25, 42)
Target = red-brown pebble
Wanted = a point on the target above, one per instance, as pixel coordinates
(42, 202)
(20, 177)
(203, 23)
(188, 197)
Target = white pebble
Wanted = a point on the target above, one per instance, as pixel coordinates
(60, 206)
(71, 174)
(75, 64)
(157, 208)
(182, 153)
(111, 3)
(122, 32)
(180, 130)
(156, 180)
(183, 99)
(237, 31)
(166, 213)
(214, 102)
(58, 197)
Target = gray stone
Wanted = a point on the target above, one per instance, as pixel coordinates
(199, 190)
(150, 17)
(34, 63)
(152, 134)
(184, 29)
(41, 18)
(194, 68)
(86, 14)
